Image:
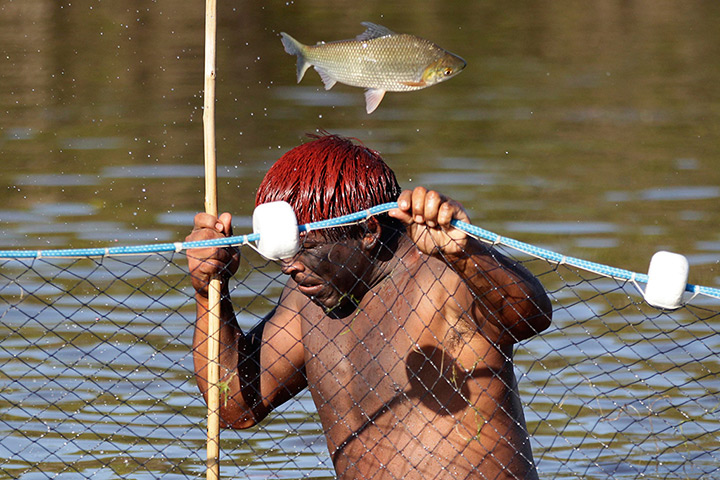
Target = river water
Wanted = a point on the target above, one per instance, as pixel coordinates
(589, 129)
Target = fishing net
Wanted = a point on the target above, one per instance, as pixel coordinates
(96, 377)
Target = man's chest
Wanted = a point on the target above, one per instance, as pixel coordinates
(398, 343)
(359, 363)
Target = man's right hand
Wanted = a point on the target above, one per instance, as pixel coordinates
(206, 263)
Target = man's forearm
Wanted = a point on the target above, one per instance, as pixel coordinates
(237, 367)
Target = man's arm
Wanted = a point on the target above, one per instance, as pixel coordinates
(509, 303)
(259, 370)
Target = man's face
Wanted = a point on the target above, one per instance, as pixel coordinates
(331, 273)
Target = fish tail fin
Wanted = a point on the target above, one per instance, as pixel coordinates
(293, 47)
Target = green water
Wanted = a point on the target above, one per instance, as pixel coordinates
(592, 129)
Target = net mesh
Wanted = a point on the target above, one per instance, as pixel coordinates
(96, 378)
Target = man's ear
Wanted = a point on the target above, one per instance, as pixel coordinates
(371, 236)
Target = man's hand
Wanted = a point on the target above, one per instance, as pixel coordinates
(206, 263)
(428, 215)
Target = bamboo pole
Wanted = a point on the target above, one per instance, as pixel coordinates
(211, 207)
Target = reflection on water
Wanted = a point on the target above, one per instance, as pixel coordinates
(96, 378)
(591, 130)
(618, 389)
(565, 115)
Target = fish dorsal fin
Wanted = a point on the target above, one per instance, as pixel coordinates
(373, 31)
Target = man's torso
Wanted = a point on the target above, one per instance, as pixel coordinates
(407, 386)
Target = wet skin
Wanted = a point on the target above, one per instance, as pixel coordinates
(407, 354)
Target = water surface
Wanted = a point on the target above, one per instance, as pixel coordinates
(588, 129)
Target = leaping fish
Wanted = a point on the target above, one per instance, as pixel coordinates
(378, 60)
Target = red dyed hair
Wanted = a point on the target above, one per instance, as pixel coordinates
(328, 177)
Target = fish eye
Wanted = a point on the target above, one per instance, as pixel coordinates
(448, 71)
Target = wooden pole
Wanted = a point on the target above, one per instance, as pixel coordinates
(211, 207)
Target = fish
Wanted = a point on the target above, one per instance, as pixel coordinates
(378, 60)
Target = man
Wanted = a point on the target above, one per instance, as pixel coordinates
(402, 326)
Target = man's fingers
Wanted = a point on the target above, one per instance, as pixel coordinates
(451, 210)
(204, 220)
(225, 221)
(418, 204)
(206, 263)
(403, 212)
(446, 213)
(223, 224)
(433, 203)
(427, 207)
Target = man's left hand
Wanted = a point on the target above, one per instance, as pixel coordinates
(428, 215)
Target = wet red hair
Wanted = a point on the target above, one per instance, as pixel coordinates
(328, 177)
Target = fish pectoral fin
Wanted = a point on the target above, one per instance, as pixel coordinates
(327, 80)
(421, 83)
(373, 30)
(373, 97)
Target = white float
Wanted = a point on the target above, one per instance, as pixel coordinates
(667, 279)
(277, 226)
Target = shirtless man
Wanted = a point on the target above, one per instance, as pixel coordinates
(402, 327)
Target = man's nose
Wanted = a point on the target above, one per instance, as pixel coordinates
(291, 265)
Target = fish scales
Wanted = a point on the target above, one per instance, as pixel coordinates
(378, 60)
(386, 63)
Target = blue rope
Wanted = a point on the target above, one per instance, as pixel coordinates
(477, 232)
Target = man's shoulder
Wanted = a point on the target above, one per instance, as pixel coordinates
(434, 279)
(437, 268)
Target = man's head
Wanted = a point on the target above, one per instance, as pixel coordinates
(329, 177)
(326, 178)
